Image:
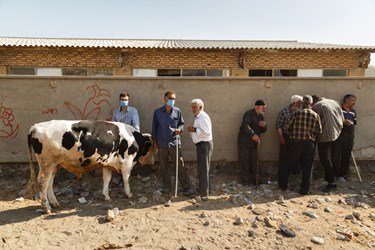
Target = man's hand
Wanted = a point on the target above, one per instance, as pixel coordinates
(282, 140)
(191, 129)
(255, 138)
(178, 131)
(348, 122)
(262, 124)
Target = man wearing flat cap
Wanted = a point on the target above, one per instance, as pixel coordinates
(252, 126)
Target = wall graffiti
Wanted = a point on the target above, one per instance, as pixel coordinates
(49, 111)
(93, 106)
(8, 130)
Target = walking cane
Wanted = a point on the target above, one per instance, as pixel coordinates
(257, 161)
(175, 191)
(356, 167)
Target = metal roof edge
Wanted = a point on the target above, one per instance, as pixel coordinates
(175, 44)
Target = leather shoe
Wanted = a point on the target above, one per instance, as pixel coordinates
(189, 192)
(166, 190)
(330, 187)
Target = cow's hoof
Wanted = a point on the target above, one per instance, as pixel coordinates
(55, 205)
(129, 195)
(106, 197)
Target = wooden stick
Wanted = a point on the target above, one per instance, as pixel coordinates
(356, 167)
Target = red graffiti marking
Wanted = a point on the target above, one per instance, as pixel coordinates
(7, 118)
(49, 111)
(93, 105)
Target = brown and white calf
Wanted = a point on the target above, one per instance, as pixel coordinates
(81, 146)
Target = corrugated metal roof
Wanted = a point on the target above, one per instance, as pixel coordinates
(171, 44)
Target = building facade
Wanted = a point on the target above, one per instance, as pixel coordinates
(179, 58)
(76, 79)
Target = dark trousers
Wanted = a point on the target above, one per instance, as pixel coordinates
(204, 153)
(301, 153)
(247, 158)
(341, 153)
(163, 155)
(325, 156)
(283, 158)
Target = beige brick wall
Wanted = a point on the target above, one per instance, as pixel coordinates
(124, 61)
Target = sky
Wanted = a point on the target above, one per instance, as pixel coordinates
(348, 22)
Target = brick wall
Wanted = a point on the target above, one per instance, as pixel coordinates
(124, 61)
(59, 57)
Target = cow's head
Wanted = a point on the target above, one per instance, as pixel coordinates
(145, 154)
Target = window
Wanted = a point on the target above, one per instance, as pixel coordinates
(74, 72)
(59, 71)
(334, 72)
(169, 72)
(217, 72)
(144, 72)
(310, 73)
(21, 71)
(48, 71)
(260, 72)
(100, 72)
(285, 72)
(193, 72)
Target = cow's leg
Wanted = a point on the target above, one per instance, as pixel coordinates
(107, 175)
(50, 194)
(126, 171)
(44, 177)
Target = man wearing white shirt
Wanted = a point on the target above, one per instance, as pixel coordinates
(201, 134)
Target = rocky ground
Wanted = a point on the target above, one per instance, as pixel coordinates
(235, 217)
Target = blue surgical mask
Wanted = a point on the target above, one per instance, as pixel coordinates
(170, 103)
(124, 103)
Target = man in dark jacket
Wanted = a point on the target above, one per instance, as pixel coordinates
(252, 126)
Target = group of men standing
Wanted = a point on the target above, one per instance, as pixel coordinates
(309, 121)
(167, 125)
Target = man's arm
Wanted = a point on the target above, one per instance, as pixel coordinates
(135, 120)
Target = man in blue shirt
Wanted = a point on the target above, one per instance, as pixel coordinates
(125, 113)
(343, 146)
(167, 123)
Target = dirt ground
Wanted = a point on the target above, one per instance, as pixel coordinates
(234, 217)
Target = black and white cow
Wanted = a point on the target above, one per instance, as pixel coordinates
(81, 146)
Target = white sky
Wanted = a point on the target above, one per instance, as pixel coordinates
(349, 22)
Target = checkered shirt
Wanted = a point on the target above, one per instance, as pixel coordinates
(130, 117)
(304, 125)
(283, 119)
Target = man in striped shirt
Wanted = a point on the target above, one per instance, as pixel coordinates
(332, 119)
(304, 128)
(343, 146)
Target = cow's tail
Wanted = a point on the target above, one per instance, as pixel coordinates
(32, 185)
